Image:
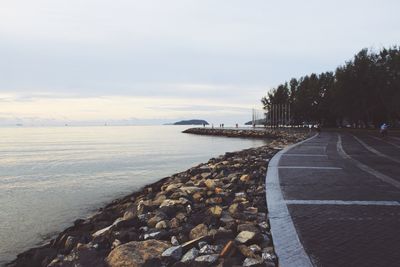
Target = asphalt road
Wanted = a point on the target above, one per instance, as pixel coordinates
(334, 200)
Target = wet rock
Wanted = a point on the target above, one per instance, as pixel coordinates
(245, 236)
(198, 231)
(174, 252)
(190, 255)
(135, 254)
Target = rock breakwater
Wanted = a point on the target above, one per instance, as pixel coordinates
(247, 133)
(213, 214)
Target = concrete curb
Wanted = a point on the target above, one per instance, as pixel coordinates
(287, 244)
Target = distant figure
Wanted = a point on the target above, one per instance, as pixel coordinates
(204, 125)
(237, 125)
(212, 125)
(222, 125)
(384, 130)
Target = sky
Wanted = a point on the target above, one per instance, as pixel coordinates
(157, 61)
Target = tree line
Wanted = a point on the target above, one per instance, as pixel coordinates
(364, 92)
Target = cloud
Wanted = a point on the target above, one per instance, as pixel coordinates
(123, 58)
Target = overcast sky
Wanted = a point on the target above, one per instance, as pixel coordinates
(81, 61)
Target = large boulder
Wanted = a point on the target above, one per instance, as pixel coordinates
(135, 254)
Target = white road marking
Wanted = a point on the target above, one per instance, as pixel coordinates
(373, 150)
(342, 202)
(364, 167)
(380, 139)
(304, 155)
(309, 167)
(287, 244)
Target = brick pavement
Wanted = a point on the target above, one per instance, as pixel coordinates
(362, 230)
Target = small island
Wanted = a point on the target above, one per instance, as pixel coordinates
(191, 122)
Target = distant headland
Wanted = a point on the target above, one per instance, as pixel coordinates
(189, 122)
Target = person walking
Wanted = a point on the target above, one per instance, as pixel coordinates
(384, 130)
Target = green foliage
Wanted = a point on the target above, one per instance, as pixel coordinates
(363, 91)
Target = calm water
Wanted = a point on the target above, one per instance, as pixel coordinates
(51, 176)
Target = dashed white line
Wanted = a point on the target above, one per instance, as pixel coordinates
(309, 167)
(342, 202)
(304, 155)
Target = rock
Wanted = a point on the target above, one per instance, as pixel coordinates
(152, 222)
(245, 178)
(264, 226)
(226, 218)
(197, 197)
(245, 236)
(174, 241)
(102, 231)
(252, 262)
(199, 231)
(255, 248)
(205, 175)
(116, 243)
(83, 255)
(190, 255)
(207, 259)
(70, 243)
(247, 252)
(215, 211)
(136, 254)
(155, 235)
(269, 256)
(173, 187)
(214, 200)
(190, 189)
(210, 184)
(233, 209)
(174, 223)
(248, 227)
(161, 225)
(210, 249)
(202, 244)
(173, 252)
(173, 202)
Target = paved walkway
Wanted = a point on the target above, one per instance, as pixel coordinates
(334, 200)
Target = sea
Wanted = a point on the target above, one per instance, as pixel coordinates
(51, 176)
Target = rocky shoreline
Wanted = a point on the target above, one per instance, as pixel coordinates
(213, 214)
